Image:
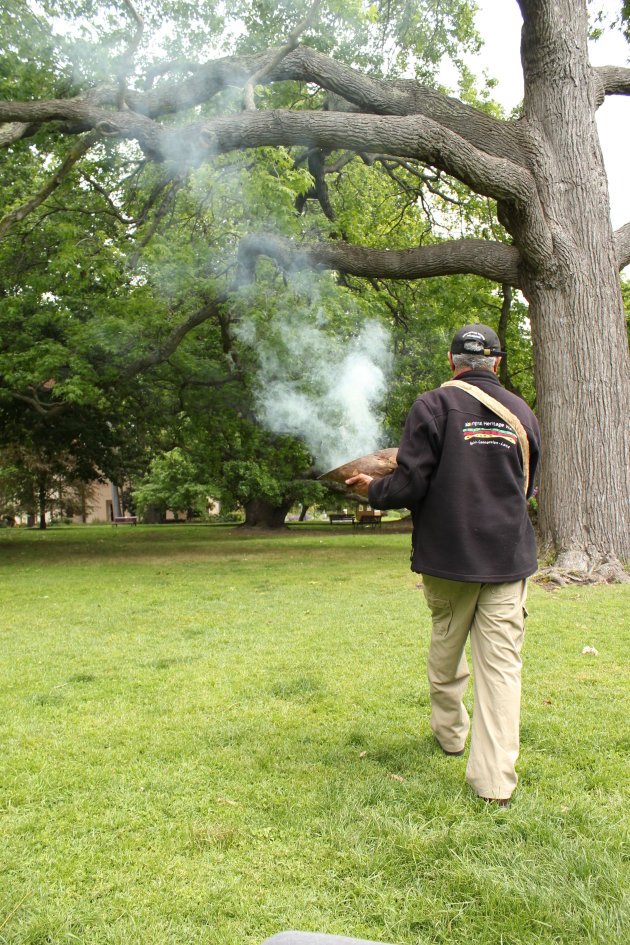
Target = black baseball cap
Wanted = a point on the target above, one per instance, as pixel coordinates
(477, 339)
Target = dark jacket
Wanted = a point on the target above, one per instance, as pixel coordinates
(460, 472)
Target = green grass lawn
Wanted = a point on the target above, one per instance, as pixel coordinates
(209, 737)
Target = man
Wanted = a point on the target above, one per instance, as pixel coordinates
(465, 474)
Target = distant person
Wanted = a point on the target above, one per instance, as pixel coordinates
(466, 464)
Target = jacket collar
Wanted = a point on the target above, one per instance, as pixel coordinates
(475, 376)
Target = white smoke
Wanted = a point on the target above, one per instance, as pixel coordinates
(325, 390)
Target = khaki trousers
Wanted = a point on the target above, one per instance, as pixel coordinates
(493, 615)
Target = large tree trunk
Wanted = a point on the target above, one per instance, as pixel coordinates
(42, 483)
(261, 514)
(581, 356)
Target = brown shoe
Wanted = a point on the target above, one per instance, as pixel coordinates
(499, 801)
(452, 754)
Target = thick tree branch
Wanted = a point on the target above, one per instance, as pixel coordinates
(163, 352)
(499, 138)
(411, 136)
(615, 80)
(79, 149)
(503, 139)
(622, 246)
(497, 261)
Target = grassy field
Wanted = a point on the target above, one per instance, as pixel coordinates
(209, 737)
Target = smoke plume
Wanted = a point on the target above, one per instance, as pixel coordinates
(325, 390)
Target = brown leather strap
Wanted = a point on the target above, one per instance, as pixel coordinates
(501, 411)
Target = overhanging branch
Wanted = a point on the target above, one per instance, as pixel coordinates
(411, 136)
(374, 96)
(42, 408)
(175, 338)
(615, 80)
(496, 261)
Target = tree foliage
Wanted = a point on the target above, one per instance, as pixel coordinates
(124, 251)
(146, 175)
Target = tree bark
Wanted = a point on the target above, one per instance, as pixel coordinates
(581, 359)
(493, 260)
(261, 514)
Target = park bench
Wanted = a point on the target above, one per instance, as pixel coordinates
(336, 517)
(125, 520)
(369, 518)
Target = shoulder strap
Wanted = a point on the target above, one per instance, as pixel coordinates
(501, 411)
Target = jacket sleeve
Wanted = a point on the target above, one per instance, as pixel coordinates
(418, 455)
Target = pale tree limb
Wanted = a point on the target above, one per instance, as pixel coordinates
(622, 246)
(496, 261)
(13, 132)
(289, 46)
(615, 80)
(80, 148)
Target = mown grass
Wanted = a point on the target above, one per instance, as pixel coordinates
(208, 737)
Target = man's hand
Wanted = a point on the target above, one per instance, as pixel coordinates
(360, 482)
